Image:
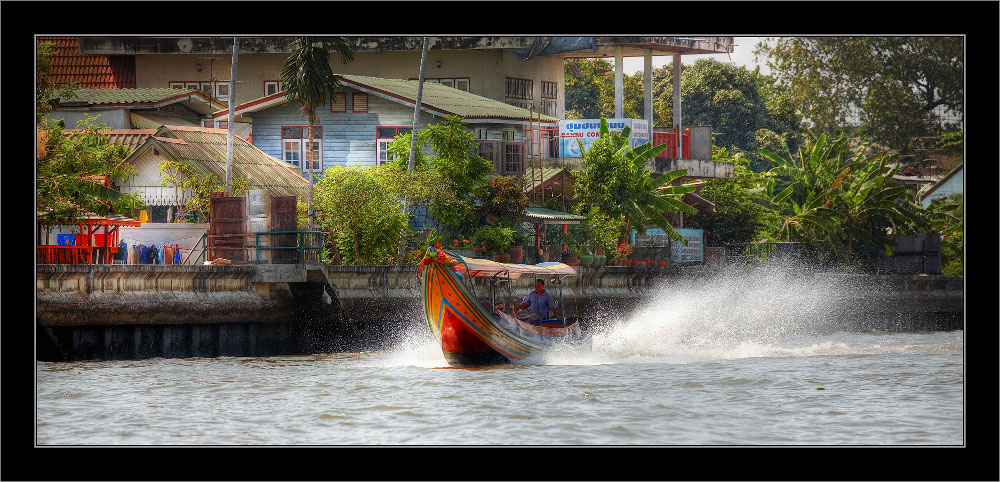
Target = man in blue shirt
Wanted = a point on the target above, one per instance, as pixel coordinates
(538, 302)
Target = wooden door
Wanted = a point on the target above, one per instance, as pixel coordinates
(283, 218)
(227, 228)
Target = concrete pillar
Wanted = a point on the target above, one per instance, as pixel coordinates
(619, 84)
(648, 96)
(677, 104)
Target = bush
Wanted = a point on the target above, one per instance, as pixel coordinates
(490, 240)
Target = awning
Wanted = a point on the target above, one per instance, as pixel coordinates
(484, 268)
(550, 216)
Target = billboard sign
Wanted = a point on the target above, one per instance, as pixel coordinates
(589, 130)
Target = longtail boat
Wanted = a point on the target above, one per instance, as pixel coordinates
(469, 333)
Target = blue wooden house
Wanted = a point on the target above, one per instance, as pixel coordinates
(366, 113)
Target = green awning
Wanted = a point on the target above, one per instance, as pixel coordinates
(550, 216)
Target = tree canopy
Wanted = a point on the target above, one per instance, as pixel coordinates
(887, 87)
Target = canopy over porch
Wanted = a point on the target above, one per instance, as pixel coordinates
(101, 233)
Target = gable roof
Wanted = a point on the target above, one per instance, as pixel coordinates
(154, 121)
(943, 180)
(205, 149)
(436, 99)
(149, 98)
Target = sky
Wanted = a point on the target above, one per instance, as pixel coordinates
(742, 55)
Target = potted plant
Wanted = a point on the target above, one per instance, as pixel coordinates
(516, 251)
(493, 242)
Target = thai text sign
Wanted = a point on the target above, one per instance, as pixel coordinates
(589, 130)
(694, 252)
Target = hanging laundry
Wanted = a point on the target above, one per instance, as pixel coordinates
(143, 216)
(159, 255)
(132, 254)
(143, 254)
(177, 254)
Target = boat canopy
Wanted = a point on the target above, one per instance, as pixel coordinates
(484, 268)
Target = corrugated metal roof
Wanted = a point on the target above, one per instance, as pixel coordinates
(125, 96)
(445, 100)
(205, 149)
(154, 121)
(548, 176)
(448, 99)
(550, 216)
(130, 138)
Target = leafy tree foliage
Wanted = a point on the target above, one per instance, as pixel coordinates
(363, 216)
(453, 156)
(67, 168)
(841, 198)
(503, 198)
(888, 86)
(739, 217)
(615, 181)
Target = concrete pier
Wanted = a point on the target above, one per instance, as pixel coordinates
(144, 311)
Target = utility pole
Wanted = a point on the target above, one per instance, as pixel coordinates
(231, 122)
(411, 162)
(416, 109)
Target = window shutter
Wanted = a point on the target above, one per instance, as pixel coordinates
(360, 102)
(339, 102)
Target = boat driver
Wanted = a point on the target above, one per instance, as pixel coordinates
(538, 302)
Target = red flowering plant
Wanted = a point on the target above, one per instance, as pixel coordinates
(624, 249)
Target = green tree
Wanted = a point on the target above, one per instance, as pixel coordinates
(362, 213)
(872, 82)
(739, 216)
(615, 181)
(67, 170)
(453, 155)
(503, 198)
(307, 77)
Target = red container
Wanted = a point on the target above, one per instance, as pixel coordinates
(670, 139)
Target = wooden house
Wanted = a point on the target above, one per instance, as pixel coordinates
(357, 124)
(205, 149)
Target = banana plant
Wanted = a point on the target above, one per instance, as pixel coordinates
(618, 183)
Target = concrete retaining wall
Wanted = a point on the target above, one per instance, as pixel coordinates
(141, 311)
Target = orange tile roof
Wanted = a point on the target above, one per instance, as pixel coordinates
(88, 71)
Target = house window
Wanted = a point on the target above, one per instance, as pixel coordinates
(222, 90)
(272, 87)
(550, 90)
(513, 158)
(296, 147)
(206, 88)
(549, 107)
(460, 83)
(490, 150)
(176, 85)
(339, 102)
(384, 135)
(360, 101)
(508, 135)
(520, 88)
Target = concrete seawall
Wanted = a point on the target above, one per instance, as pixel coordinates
(143, 311)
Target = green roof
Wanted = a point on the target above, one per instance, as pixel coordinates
(444, 98)
(124, 96)
(435, 97)
(550, 216)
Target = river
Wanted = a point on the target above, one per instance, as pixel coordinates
(744, 363)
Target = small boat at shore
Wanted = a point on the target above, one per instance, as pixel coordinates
(471, 334)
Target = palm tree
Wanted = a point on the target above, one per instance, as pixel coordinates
(306, 76)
